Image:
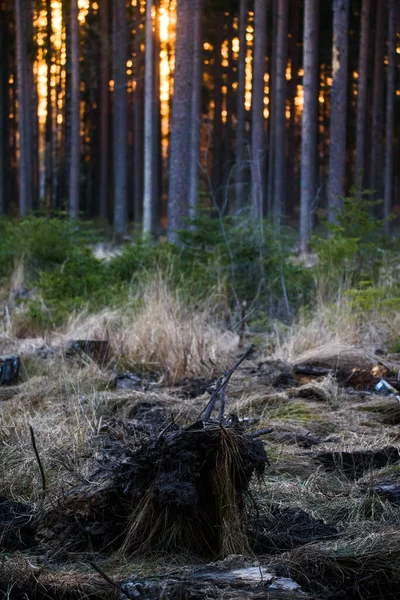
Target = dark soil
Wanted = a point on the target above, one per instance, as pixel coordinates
(354, 464)
(17, 528)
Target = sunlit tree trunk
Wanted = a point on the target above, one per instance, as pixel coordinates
(74, 153)
(217, 170)
(179, 163)
(258, 135)
(280, 110)
(196, 108)
(377, 108)
(24, 108)
(230, 107)
(148, 195)
(241, 111)
(49, 114)
(337, 154)
(309, 120)
(120, 123)
(104, 108)
(293, 138)
(138, 123)
(362, 95)
(390, 96)
(157, 186)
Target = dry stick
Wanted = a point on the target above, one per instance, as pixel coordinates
(38, 459)
(222, 385)
(257, 434)
(108, 579)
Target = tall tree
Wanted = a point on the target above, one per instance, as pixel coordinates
(74, 151)
(3, 105)
(390, 96)
(24, 107)
(179, 162)
(241, 111)
(258, 135)
(196, 108)
(49, 113)
(218, 167)
(362, 95)
(138, 121)
(337, 152)
(280, 109)
(309, 120)
(120, 123)
(104, 108)
(377, 102)
(148, 194)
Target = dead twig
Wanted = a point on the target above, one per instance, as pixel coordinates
(108, 579)
(43, 476)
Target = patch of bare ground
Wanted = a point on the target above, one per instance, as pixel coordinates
(324, 516)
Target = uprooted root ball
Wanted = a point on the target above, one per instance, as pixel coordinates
(183, 489)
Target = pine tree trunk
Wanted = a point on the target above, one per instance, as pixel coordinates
(24, 107)
(309, 121)
(120, 123)
(362, 95)
(104, 109)
(157, 185)
(74, 153)
(292, 136)
(390, 97)
(138, 123)
(280, 111)
(179, 164)
(230, 109)
(3, 106)
(196, 108)
(377, 109)
(337, 154)
(49, 114)
(241, 111)
(217, 169)
(148, 208)
(271, 118)
(258, 135)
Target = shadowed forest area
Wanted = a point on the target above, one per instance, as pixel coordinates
(199, 299)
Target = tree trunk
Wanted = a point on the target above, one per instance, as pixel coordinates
(157, 185)
(196, 109)
(120, 123)
(292, 150)
(3, 106)
(280, 110)
(377, 109)
(241, 110)
(49, 115)
(218, 167)
(309, 120)
(230, 108)
(148, 207)
(390, 97)
(104, 109)
(179, 164)
(271, 118)
(138, 123)
(24, 108)
(337, 154)
(258, 136)
(362, 95)
(74, 154)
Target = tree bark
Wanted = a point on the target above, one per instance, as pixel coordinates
(362, 95)
(217, 170)
(241, 110)
(74, 154)
(196, 109)
(258, 134)
(138, 123)
(120, 123)
(377, 109)
(337, 153)
(148, 207)
(179, 179)
(49, 114)
(24, 109)
(104, 109)
(280, 110)
(157, 159)
(390, 97)
(3, 106)
(309, 121)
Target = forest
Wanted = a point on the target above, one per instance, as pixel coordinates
(199, 299)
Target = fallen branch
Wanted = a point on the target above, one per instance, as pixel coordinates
(38, 459)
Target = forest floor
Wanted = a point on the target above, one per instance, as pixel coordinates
(322, 521)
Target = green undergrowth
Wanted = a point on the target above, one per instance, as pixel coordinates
(244, 268)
